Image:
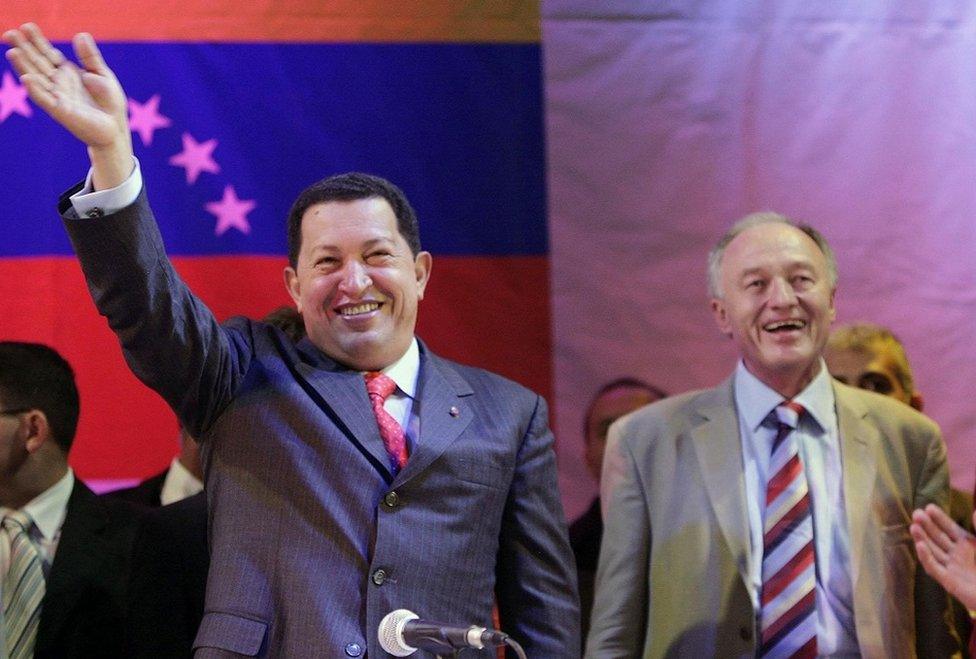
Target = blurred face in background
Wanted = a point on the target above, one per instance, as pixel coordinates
(874, 370)
(607, 408)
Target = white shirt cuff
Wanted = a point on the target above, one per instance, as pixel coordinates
(89, 203)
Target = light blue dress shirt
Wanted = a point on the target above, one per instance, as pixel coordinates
(818, 439)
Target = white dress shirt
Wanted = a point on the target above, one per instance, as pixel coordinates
(179, 484)
(818, 438)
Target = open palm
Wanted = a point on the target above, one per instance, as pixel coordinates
(87, 99)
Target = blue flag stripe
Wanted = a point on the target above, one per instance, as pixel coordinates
(458, 126)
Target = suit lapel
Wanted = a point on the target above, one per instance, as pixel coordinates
(341, 394)
(444, 413)
(77, 562)
(718, 448)
(859, 470)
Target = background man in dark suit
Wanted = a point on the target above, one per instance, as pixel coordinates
(329, 507)
(611, 402)
(82, 542)
(183, 478)
(169, 578)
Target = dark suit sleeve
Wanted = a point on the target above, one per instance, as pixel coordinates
(169, 338)
(536, 578)
(618, 622)
(935, 634)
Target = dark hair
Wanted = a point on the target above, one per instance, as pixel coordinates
(620, 383)
(350, 187)
(288, 320)
(34, 376)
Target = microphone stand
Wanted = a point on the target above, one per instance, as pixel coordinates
(510, 642)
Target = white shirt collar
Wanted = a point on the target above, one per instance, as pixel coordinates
(179, 483)
(754, 399)
(49, 508)
(404, 370)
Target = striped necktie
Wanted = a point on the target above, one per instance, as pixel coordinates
(22, 587)
(788, 619)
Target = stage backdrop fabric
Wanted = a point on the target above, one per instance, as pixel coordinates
(667, 121)
(235, 107)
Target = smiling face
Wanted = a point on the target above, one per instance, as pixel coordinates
(777, 304)
(356, 282)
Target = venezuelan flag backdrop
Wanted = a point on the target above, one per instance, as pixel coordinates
(237, 106)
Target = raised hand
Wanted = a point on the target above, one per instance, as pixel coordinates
(947, 552)
(88, 101)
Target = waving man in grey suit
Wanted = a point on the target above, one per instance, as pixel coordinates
(768, 516)
(347, 475)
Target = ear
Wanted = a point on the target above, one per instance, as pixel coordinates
(36, 429)
(833, 309)
(293, 286)
(917, 401)
(721, 316)
(422, 264)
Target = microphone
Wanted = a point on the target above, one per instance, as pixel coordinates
(402, 632)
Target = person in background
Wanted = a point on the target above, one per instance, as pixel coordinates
(183, 478)
(64, 552)
(871, 357)
(612, 401)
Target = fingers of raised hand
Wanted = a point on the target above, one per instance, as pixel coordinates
(929, 562)
(87, 52)
(32, 52)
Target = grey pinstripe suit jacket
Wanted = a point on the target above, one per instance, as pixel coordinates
(313, 540)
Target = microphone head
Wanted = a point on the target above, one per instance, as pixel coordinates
(390, 632)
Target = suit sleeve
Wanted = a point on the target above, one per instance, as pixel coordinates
(169, 338)
(535, 572)
(935, 634)
(620, 601)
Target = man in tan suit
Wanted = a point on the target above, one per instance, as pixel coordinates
(733, 529)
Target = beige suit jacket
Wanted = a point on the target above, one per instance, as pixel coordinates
(673, 571)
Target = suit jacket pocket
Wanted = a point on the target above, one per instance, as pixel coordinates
(481, 471)
(231, 632)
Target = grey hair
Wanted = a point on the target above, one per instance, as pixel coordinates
(755, 219)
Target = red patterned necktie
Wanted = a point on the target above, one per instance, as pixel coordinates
(379, 387)
(788, 619)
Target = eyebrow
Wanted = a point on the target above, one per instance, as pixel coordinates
(794, 265)
(372, 242)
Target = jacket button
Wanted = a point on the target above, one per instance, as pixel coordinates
(391, 500)
(745, 633)
(379, 577)
(354, 649)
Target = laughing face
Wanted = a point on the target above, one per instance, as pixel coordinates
(356, 282)
(777, 304)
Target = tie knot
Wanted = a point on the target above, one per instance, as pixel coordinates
(789, 412)
(378, 384)
(17, 521)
